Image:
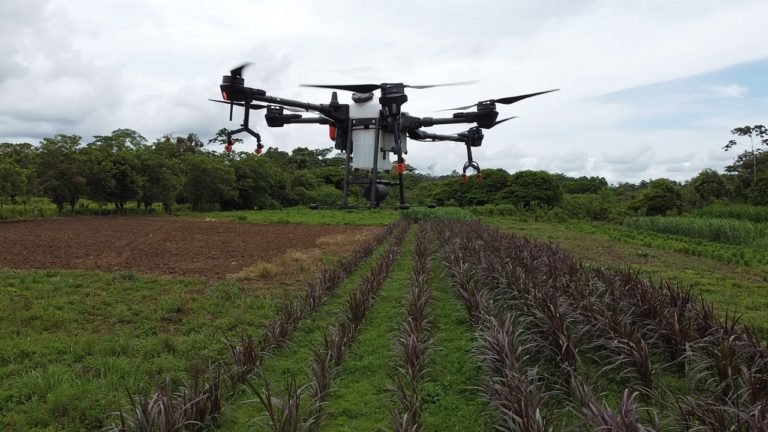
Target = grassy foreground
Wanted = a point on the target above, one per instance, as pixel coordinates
(72, 342)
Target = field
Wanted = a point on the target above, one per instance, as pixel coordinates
(223, 322)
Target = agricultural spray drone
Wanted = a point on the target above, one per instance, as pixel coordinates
(368, 131)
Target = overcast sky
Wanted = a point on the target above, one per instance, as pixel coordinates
(648, 88)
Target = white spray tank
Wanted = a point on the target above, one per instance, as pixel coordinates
(364, 106)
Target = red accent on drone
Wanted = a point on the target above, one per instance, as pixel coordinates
(478, 178)
(332, 132)
(224, 95)
(228, 148)
(259, 148)
(400, 167)
(463, 179)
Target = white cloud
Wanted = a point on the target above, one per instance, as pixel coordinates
(89, 67)
(727, 91)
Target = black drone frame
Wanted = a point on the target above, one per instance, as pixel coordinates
(391, 119)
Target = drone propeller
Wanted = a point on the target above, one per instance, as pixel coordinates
(254, 106)
(238, 71)
(367, 88)
(505, 100)
(240, 104)
(498, 122)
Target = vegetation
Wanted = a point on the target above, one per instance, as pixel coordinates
(546, 322)
(181, 172)
(729, 231)
(629, 324)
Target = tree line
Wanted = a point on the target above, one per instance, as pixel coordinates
(124, 167)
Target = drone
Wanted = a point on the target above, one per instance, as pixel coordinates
(369, 132)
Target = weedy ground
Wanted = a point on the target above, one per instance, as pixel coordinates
(74, 344)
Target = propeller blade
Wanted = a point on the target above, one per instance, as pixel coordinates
(357, 88)
(505, 100)
(498, 122)
(238, 71)
(367, 88)
(462, 108)
(240, 104)
(442, 85)
(513, 99)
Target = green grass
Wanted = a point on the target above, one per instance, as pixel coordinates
(245, 413)
(734, 211)
(451, 400)
(418, 214)
(720, 230)
(359, 398)
(71, 343)
(44, 208)
(730, 287)
(740, 255)
(358, 217)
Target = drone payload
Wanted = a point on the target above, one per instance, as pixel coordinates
(363, 113)
(369, 131)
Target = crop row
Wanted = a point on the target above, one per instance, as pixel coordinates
(413, 343)
(551, 329)
(190, 406)
(721, 230)
(287, 413)
(733, 254)
(734, 211)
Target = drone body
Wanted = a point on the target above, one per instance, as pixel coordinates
(369, 131)
(364, 113)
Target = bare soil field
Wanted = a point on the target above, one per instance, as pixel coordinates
(167, 246)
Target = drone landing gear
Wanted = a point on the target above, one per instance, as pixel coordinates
(245, 128)
(471, 164)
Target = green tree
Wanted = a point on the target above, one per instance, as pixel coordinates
(742, 172)
(111, 167)
(529, 187)
(754, 133)
(758, 193)
(660, 198)
(581, 185)
(13, 182)
(161, 179)
(209, 181)
(120, 140)
(60, 170)
(258, 181)
(708, 186)
(177, 146)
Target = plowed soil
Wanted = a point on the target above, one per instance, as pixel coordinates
(167, 246)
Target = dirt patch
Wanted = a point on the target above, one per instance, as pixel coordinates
(168, 246)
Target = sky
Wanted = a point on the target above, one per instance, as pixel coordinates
(648, 88)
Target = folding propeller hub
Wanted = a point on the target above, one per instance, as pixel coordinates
(489, 105)
(232, 80)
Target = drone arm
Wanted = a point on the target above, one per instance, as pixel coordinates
(335, 111)
(308, 120)
(429, 121)
(420, 135)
